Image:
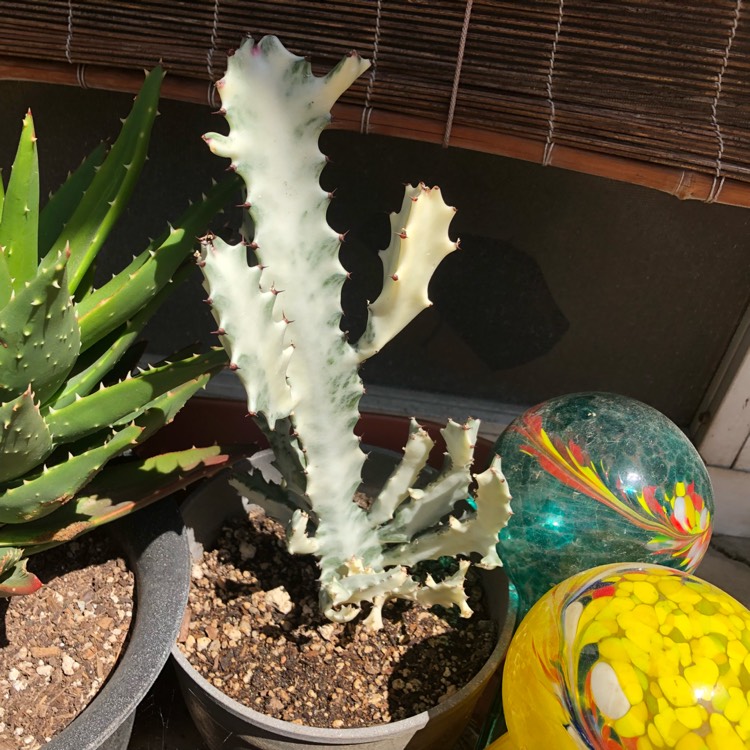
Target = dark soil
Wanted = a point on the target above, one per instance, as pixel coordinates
(59, 645)
(255, 632)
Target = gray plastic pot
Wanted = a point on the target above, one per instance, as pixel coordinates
(155, 546)
(226, 724)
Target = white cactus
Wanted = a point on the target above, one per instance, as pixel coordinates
(280, 323)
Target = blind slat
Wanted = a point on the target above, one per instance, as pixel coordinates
(663, 82)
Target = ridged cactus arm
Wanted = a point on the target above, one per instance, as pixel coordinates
(287, 307)
(257, 351)
(397, 488)
(419, 241)
(276, 110)
(477, 533)
(428, 506)
(19, 226)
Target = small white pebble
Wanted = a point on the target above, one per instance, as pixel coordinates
(69, 665)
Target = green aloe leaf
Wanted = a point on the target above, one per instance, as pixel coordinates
(39, 335)
(6, 288)
(127, 399)
(24, 438)
(62, 204)
(121, 490)
(20, 220)
(112, 186)
(102, 359)
(163, 410)
(17, 581)
(43, 493)
(120, 298)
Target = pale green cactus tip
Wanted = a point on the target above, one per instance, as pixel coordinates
(68, 402)
(279, 321)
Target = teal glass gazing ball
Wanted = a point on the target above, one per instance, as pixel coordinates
(599, 478)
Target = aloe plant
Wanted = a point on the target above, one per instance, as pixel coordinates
(279, 320)
(68, 401)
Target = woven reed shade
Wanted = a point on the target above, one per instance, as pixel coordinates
(654, 92)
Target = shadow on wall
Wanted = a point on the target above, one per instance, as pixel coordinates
(471, 297)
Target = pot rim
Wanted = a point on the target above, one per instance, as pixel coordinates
(154, 542)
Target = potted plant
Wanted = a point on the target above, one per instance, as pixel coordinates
(69, 403)
(279, 320)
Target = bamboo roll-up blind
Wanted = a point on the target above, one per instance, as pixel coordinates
(655, 92)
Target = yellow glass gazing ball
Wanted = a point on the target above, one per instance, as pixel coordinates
(632, 656)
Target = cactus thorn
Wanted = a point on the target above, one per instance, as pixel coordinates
(232, 168)
(332, 194)
(220, 111)
(458, 244)
(219, 332)
(208, 301)
(394, 277)
(246, 204)
(401, 234)
(233, 366)
(342, 236)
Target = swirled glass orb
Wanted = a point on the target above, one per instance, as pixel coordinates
(631, 656)
(599, 478)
